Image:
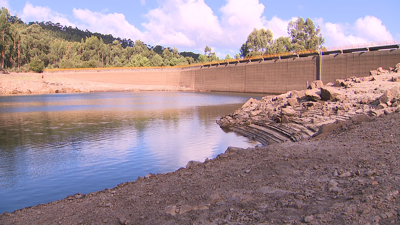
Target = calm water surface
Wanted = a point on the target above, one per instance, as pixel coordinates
(52, 146)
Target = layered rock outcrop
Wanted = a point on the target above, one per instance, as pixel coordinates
(300, 115)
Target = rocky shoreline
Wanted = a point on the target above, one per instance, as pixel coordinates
(300, 115)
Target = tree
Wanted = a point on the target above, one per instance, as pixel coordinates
(257, 43)
(5, 38)
(281, 45)
(36, 66)
(228, 57)
(202, 58)
(304, 35)
(207, 51)
(156, 60)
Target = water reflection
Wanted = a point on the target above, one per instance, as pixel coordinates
(55, 145)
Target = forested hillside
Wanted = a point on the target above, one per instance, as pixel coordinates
(38, 45)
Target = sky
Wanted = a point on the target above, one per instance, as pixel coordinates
(224, 25)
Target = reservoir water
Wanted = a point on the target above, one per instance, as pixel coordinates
(52, 146)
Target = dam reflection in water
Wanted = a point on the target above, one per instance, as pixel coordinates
(52, 146)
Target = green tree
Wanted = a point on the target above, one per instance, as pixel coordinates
(281, 45)
(157, 60)
(202, 58)
(5, 39)
(36, 66)
(257, 43)
(304, 34)
(228, 57)
(207, 51)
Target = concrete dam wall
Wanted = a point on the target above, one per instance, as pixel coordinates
(268, 75)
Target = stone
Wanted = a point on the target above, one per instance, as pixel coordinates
(256, 112)
(381, 106)
(308, 219)
(316, 84)
(185, 208)
(191, 164)
(328, 93)
(396, 79)
(289, 111)
(298, 94)
(251, 104)
(170, 210)
(339, 82)
(313, 94)
(292, 101)
(345, 174)
(285, 119)
(373, 72)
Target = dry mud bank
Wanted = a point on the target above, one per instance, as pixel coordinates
(33, 83)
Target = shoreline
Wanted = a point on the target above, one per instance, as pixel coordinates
(345, 168)
(33, 83)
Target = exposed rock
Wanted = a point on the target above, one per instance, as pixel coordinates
(316, 84)
(293, 101)
(313, 94)
(328, 93)
(191, 164)
(170, 210)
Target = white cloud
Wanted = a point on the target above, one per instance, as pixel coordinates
(278, 26)
(192, 24)
(38, 13)
(4, 3)
(239, 18)
(372, 29)
(182, 23)
(111, 23)
(363, 31)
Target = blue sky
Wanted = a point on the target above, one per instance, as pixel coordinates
(224, 25)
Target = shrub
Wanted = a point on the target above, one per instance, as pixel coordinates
(36, 66)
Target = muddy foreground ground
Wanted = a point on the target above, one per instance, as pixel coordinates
(351, 176)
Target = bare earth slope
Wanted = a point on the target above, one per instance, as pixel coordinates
(33, 83)
(351, 176)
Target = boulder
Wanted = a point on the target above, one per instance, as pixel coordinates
(328, 93)
(313, 94)
(289, 111)
(396, 79)
(251, 104)
(191, 164)
(285, 119)
(390, 95)
(298, 94)
(373, 72)
(316, 84)
(292, 101)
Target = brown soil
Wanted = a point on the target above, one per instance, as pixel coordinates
(351, 176)
(33, 83)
